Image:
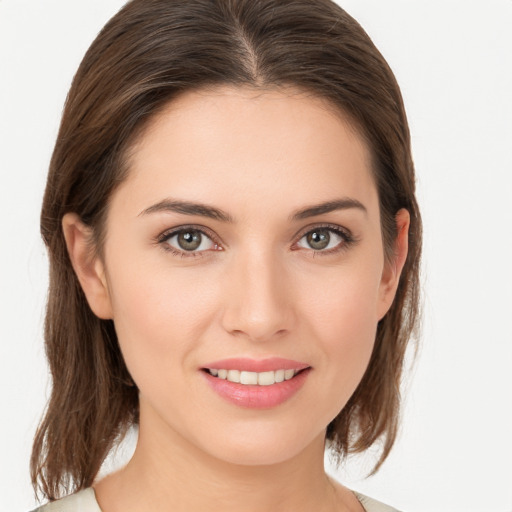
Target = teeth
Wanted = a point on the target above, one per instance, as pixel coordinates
(248, 378)
(288, 374)
(266, 378)
(253, 378)
(233, 375)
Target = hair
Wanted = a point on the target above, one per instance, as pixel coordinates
(148, 53)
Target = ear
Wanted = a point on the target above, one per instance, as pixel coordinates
(393, 269)
(88, 267)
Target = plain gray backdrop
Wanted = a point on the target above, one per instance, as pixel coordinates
(453, 62)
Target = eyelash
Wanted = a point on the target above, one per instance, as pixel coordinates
(166, 235)
(347, 239)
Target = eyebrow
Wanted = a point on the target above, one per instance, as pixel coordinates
(204, 210)
(345, 203)
(188, 208)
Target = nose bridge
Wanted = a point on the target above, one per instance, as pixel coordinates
(259, 305)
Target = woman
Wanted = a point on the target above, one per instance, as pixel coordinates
(234, 246)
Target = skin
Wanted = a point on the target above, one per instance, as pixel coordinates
(257, 290)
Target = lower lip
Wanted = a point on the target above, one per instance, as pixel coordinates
(257, 397)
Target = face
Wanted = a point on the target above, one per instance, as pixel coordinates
(245, 241)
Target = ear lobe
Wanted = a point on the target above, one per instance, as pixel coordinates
(393, 269)
(88, 267)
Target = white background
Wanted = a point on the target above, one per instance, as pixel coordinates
(453, 61)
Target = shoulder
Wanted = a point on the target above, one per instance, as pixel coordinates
(371, 505)
(85, 501)
(82, 501)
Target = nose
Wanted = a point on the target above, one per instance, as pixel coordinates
(258, 301)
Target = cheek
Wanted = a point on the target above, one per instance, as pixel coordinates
(343, 319)
(345, 305)
(159, 317)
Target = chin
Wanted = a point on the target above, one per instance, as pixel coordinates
(265, 447)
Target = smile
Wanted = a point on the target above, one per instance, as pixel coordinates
(254, 378)
(256, 384)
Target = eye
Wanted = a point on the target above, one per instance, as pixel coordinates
(324, 239)
(188, 241)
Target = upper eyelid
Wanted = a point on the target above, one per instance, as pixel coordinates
(190, 227)
(332, 227)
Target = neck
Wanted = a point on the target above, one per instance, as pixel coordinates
(168, 473)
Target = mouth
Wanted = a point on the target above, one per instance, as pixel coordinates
(259, 384)
(248, 378)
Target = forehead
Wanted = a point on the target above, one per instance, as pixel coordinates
(226, 143)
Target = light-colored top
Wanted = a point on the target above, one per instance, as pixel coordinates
(82, 501)
(371, 505)
(85, 501)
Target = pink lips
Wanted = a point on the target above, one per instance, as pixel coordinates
(253, 365)
(254, 396)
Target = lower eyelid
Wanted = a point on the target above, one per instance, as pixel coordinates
(183, 254)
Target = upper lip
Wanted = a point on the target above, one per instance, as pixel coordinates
(257, 365)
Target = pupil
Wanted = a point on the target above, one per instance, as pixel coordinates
(189, 240)
(319, 239)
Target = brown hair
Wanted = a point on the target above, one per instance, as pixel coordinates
(146, 55)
